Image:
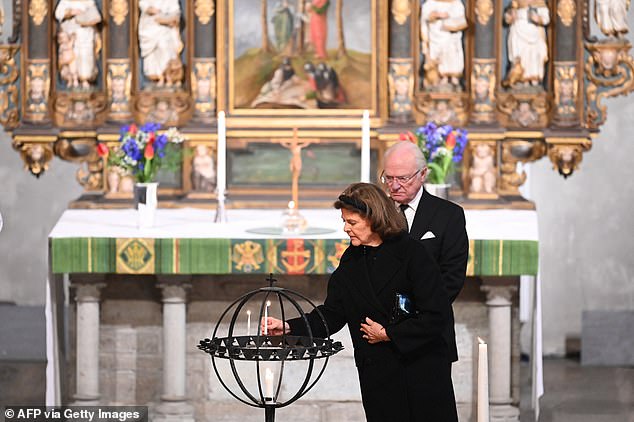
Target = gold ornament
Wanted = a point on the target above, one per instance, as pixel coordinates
(566, 10)
(37, 10)
(119, 11)
(204, 10)
(484, 11)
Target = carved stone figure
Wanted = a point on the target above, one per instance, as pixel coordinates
(441, 26)
(203, 170)
(160, 41)
(527, 46)
(611, 16)
(482, 171)
(78, 19)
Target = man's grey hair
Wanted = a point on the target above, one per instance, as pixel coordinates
(408, 147)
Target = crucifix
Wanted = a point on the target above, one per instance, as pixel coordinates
(295, 147)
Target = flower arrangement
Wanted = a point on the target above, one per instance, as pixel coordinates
(142, 151)
(443, 147)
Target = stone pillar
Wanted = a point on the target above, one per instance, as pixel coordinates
(483, 79)
(499, 300)
(401, 64)
(87, 297)
(173, 406)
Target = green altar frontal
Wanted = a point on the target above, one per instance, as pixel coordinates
(240, 256)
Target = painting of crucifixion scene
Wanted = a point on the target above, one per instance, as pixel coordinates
(303, 54)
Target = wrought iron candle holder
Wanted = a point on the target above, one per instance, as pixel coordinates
(266, 350)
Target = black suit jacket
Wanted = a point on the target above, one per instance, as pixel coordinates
(449, 247)
(409, 377)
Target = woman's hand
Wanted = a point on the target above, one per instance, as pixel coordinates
(274, 326)
(373, 332)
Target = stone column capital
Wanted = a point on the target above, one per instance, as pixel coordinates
(174, 292)
(88, 292)
(499, 295)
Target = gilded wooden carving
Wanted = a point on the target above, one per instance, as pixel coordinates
(119, 11)
(566, 94)
(36, 156)
(204, 86)
(566, 157)
(79, 110)
(483, 91)
(9, 116)
(401, 89)
(483, 11)
(514, 151)
(82, 151)
(401, 10)
(480, 180)
(168, 109)
(443, 108)
(119, 83)
(204, 10)
(37, 91)
(38, 9)
(610, 72)
(566, 10)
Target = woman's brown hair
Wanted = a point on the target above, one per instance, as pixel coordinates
(372, 202)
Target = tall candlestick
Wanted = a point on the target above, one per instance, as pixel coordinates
(365, 147)
(483, 382)
(268, 383)
(266, 318)
(221, 152)
(248, 323)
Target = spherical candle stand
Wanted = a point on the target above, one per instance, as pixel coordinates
(270, 355)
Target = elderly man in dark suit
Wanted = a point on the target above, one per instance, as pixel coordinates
(438, 223)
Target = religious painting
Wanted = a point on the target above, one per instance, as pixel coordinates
(317, 56)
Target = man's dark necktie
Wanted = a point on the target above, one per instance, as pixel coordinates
(403, 207)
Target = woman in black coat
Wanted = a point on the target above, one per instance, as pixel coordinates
(402, 359)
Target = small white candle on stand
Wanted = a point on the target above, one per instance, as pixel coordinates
(483, 382)
(266, 318)
(221, 152)
(365, 147)
(268, 383)
(248, 323)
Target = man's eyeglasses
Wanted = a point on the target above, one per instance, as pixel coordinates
(402, 180)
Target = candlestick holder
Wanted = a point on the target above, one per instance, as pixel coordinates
(293, 222)
(268, 354)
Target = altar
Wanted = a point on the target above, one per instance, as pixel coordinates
(103, 250)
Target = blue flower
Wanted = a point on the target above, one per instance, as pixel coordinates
(150, 127)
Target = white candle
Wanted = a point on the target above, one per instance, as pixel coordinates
(365, 147)
(248, 322)
(266, 317)
(268, 383)
(483, 382)
(221, 152)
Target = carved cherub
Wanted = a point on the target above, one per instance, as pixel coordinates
(482, 171)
